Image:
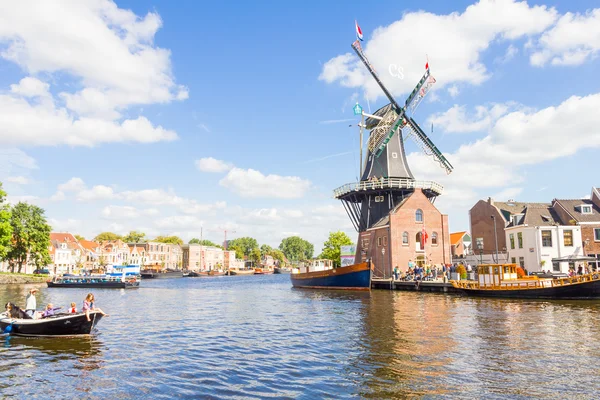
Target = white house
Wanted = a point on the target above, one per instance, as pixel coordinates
(536, 238)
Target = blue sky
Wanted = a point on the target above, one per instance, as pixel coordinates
(166, 117)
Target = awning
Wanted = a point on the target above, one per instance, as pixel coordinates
(574, 258)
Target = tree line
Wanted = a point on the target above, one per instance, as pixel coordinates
(24, 235)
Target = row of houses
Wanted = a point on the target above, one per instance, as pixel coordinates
(70, 255)
(556, 236)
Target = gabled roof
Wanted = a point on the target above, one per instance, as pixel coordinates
(62, 237)
(537, 214)
(508, 208)
(572, 207)
(456, 237)
(89, 245)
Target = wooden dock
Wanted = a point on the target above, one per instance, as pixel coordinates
(424, 286)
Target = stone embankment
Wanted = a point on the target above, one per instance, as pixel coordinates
(6, 279)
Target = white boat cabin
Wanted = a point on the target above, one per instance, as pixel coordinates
(315, 265)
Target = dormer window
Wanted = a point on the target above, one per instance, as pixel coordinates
(63, 246)
(586, 209)
(516, 219)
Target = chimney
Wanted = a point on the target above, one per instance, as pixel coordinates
(490, 201)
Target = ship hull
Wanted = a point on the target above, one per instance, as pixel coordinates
(161, 275)
(583, 290)
(352, 277)
(58, 325)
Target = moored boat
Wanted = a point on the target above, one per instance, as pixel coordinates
(161, 274)
(215, 272)
(262, 271)
(57, 325)
(501, 280)
(322, 275)
(282, 270)
(93, 281)
(241, 271)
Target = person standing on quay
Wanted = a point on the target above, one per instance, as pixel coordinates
(31, 302)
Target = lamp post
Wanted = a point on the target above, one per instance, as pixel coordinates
(495, 237)
(479, 242)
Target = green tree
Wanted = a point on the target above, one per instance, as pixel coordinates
(169, 240)
(5, 226)
(239, 251)
(30, 238)
(135, 237)
(247, 244)
(278, 255)
(106, 236)
(266, 249)
(255, 255)
(295, 248)
(331, 248)
(204, 242)
(79, 237)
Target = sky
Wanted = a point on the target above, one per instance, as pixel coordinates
(174, 118)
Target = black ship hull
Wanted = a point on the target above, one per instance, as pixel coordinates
(92, 285)
(583, 290)
(161, 275)
(57, 325)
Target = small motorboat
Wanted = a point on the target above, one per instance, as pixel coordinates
(191, 274)
(282, 270)
(241, 271)
(63, 324)
(262, 271)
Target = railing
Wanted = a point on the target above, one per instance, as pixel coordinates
(528, 283)
(388, 183)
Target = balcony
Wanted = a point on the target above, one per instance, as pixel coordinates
(433, 188)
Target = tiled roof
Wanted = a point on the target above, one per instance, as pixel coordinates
(456, 237)
(572, 207)
(384, 221)
(62, 237)
(540, 216)
(89, 245)
(509, 208)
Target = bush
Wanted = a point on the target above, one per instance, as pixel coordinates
(462, 271)
(520, 272)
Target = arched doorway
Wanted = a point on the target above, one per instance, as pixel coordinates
(418, 242)
(420, 260)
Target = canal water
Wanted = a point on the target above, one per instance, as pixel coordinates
(256, 337)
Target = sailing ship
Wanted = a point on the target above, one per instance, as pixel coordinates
(501, 280)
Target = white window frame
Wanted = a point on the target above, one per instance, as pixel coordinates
(584, 207)
(596, 234)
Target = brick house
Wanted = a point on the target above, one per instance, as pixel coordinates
(114, 252)
(66, 253)
(503, 213)
(584, 213)
(137, 253)
(460, 244)
(402, 231)
(91, 254)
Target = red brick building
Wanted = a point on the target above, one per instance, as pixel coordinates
(396, 238)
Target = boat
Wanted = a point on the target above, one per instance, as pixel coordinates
(161, 274)
(64, 324)
(104, 281)
(247, 271)
(282, 270)
(191, 274)
(321, 274)
(215, 272)
(263, 271)
(501, 280)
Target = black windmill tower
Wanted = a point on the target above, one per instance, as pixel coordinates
(386, 178)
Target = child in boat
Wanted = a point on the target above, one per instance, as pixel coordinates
(88, 305)
(73, 309)
(50, 310)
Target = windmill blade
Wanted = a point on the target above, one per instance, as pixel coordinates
(419, 93)
(358, 49)
(382, 130)
(423, 141)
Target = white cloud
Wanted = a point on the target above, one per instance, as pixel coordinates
(511, 52)
(198, 208)
(519, 138)
(209, 164)
(453, 90)
(65, 225)
(127, 212)
(252, 183)
(15, 161)
(72, 185)
(98, 192)
(24, 198)
(454, 42)
(106, 53)
(185, 222)
(574, 39)
(456, 120)
(19, 180)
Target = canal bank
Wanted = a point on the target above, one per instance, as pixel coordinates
(18, 279)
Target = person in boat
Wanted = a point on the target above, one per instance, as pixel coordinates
(88, 305)
(31, 302)
(50, 310)
(13, 311)
(73, 309)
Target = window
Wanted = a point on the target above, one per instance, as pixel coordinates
(555, 266)
(597, 234)
(419, 216)
(546, 238)
(520, 239)
(522, 262)
(385, 240)
(512, 241)
(434, 239)
(516, 219)
(379, 199)
(568, 238)
(405, 238)
(379, 241)
(586, 209)
(513, 260)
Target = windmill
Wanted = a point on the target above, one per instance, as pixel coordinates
(386, 179)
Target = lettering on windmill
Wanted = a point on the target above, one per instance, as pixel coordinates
(396, 71)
